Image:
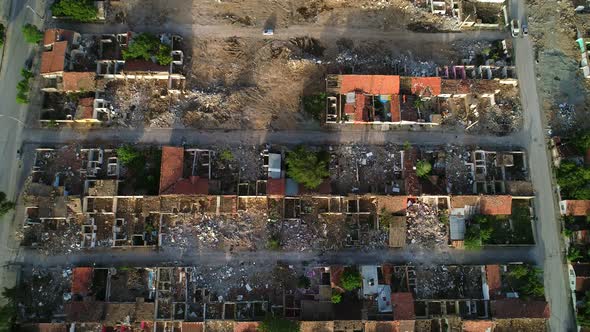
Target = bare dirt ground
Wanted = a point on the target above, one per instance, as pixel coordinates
(382, 14)
(257, 83)
(554, 27)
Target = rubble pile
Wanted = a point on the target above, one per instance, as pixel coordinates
(298, 235)
(459, 177)
(424, 227)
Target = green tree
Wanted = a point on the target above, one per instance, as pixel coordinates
(79, 10)
(423, 168)
(145, 46)
(574, 254)
(23, 87)
(278, 324)
(582, 141)
(573, 180)
(472, 239)
(32, 34)
(307, 167)
(315, 105)
(128, 155)
(351, 279)
(583, 311)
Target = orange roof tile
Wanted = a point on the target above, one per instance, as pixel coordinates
(171, 166)
(426, 86)
(494, 279)
(54, 61)
(393, 204)
(245, 327)
(403, 306)
(77, 81)
(86, 106)
(360, 113)
(577, 207)
(82, 280)
(192, 186)
(518, 308)
(371, 84)
(496, 205)
(478, 326)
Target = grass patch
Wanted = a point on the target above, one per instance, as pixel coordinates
(500, 230)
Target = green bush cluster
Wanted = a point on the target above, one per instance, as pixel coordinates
(307, 167)
(79, 10)
(573, 180)
(5, 205)
(32, 34)
(527, 280)
(144, 166)
(2, 34)
(145, 46)
(278, 324)
(23, 87)
(351, 279)
(423, 168)
(315, 105)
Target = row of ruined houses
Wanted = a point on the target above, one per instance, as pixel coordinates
(391, 298)
(75, 63)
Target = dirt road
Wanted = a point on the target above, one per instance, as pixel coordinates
(324, 32)
(550, 252)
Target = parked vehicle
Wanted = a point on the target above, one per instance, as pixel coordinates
(525, 29)
(515, 28)
(268, 32)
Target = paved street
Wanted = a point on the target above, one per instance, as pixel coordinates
(207, 137)
(12, 117)
(549, 242)
(151, 257)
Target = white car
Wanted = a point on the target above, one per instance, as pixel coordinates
(268, 32)
(515, 28)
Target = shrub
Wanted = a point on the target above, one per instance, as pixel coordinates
(336, 298)
(351, 279)
(307, 167)
(145, 46)
(5, 205)
(278, 324)
(274, 243)
(79, 10)
(128, 155)
(32, 34)
(573, 180)
(574, 254)
(423, 168)
(226, 155)
(23, 87)
(530, 280)
(315, 105)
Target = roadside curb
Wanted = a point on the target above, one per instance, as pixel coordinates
(5, 32)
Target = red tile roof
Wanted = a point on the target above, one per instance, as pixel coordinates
(171, 166)
(494, 280)
(336, 275)
(393, 204)
(55, 35)
(360, 112)
(371, 84)
(496, 205)
(77, 81)
(245, 327)
(276, 186)
(577, 207)
(54, 61)
(403, 306)
(86, 106)
(192, 327)
(517, 308)
(139, 65)
(82, 280)
(426, 86)
(192, 186)
(478, 326)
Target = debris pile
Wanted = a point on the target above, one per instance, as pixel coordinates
(424, 227)
(298, 235)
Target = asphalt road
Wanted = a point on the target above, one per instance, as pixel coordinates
(12, 118)
(167, 256)
(365, 135)
(549, 251)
